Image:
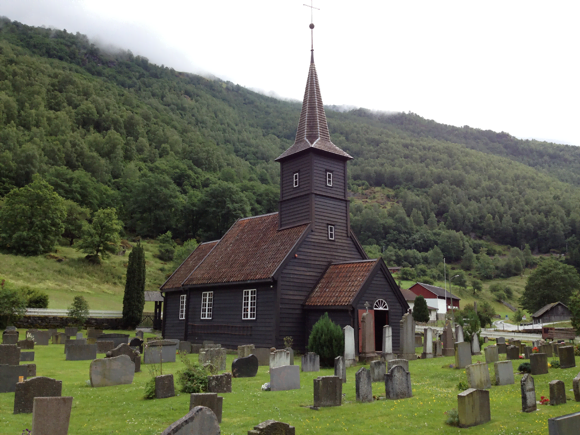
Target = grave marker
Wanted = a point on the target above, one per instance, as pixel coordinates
(263, 356)
(70, 331)
(279, 358)
(107, 372)
(349, 348)
(363, 385)
(81, 352)
(504, 372)
(448, 342)
(219, 383)
(398, 383)
(459, 334)
(428, 348)
(199, 420)
(491, 354)
(137, 344)
(567, 359)
(564, 425)
(10, 337)
(51, 415)
(9, 375)
(26, 356)
(462, 355)
(539, 363)
(245, 350)
(26, 391)
(557, 393)
(478, 376)
(310, 362)
(576, 388)
(41, 338)
(378, 370)
(9, 354)
(368, 338)
(117, 339)
(165, 350)
(387, 353)
(513, 352)
(397, 362)
(327, 391)
(475, 349)
(105, 346)
(272, 427)
(209, 400)
(340, 368)
(245, 367)
(473, 407)
(285, 378)
(164, 386)
(125, 349)
(407, 334)
(528, 390)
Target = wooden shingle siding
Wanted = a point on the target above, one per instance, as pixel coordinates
(323, 163)
(301, 164)
(295, 211)
(226, 326)
(334, 212)
(174, 328)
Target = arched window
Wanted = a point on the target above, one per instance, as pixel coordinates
(380, 304)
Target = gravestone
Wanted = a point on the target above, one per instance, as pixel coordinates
(10, 337)
(407, 334)
(462, 355)
(165, 350)
(539, 363)
(199, 420)
(285, 378)
(473, 407)
(349, 350)
(26, 344)
(327, 391)
(527, 352)
(528, 390)
(557, 393)
(397, 362)
(547, 349)
(279, 358)
(81, 352)
(9, 354)
(41, 338)
(139, 334)
(564, 425)
(363, 385)
(500, 340)
(567, 359)
(245, 367)
(59, 338)
(51, 415)
(137, 344)
(378, 370)
(475, 349)
(164, 386)
(79, 335)
(459, 334)
(263, 356)
(195, 348)
(448, 342)
(273, 427)
(428, 348)
(387, 353)
(513, 352)
(70, 331)
(438, 346)
(105, 346)
(310, 362)
(219, 383)
(398, 384)
(75, 342)
(9, 375)
(209, 400)
(502, 349)
(368, 338)
(94, 333)
(124, 349)
(30, 369)
(491, 354)
(107, 372)
(245, 350)
(26, 391)
(576, 388)
(291, 351)
(117, 339)
(207, 343)
(340, 368)
(478, 376)
(418, 340)
(504, 372)
(26, 356)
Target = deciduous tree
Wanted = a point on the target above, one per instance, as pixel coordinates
(101, 237)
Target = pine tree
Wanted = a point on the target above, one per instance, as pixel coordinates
(420, 310)
(134, 297)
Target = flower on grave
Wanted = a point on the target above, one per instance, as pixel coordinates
(544, 401)
(266, 386)
(521, 357)
(535, 349)
(549, 365)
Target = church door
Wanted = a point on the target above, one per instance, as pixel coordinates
(381, 313)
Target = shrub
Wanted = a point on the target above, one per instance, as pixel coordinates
(35, 298)
(193, 378)
(166, 246)
(327, 340)
(408, 274)
(150, 389)
(452, 418)
(508, 292)
(462, 385)
(525, 368)
(555, 364)
(79, 311)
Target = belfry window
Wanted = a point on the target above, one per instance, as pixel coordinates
(329, 178)
(331, 232)
(296, 179)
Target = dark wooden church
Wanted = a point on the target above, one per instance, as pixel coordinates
(273, 276)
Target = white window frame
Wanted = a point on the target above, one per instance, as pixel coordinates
(331, 232)
(207, 305)
(381, 304)
(182, 306)
(329, 178)
(249, 304)
(296, 179)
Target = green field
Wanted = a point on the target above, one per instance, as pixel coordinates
(121, 409)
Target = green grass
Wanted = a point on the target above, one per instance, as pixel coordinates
(121, 409)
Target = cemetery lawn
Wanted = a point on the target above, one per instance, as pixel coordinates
(122, 409)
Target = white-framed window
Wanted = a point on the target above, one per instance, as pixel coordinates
(182, 300)
(206, 305)
(249, 305)
(329, 178)
(296, 179)
(331, 232)
(380, 304)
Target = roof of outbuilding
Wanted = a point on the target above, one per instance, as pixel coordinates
(341, 283)
(546, 308)
(154, 296)
(251, 250)
(408, 294)
(438, 291)
(188, 265)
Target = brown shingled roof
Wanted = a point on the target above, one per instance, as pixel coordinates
(313, 128)
(188, 265)
(545, 308)
(408, 294)
(252, 249)
(341, 283)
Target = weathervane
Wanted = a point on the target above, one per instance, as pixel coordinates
(311, 23)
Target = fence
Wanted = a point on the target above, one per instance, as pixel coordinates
(95, 314)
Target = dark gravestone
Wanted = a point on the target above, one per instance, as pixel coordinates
(125, 349)
(502, 348)
(59, 338)
(327, 391)
(105, 346)
(139, 334)
(567, 359)
(564, 425)
(94, 333)
(35, 387)
(81, 352)
(398, 383)
(164, 386)
(539, 363)
(68, 343)
(26, 344)
(513, 352)
(184, 346)
(527, 352)
(245, 367)
(209, 400)
(473, 407)
(195, 348)
(10, 337)
(219, 383)
(9, 354)
(557, 393)
(137, 343)
(363, 385)
(70, 331)
(378, 370)
(576, 388)
(26, 356)
(41, 338)
(199, 420)
(51, 415)
(51, 332)
(528, 390)
(273, 427)
(547, 349)
(285, 378)
(117, 339)
(30, 369)
(9, 376)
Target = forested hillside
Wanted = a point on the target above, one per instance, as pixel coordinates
(177, 152)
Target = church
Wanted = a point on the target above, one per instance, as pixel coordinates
(273, 276)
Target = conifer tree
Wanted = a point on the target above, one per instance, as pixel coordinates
(420, 310)
(134, 297)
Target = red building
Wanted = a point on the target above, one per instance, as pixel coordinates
(436, 297)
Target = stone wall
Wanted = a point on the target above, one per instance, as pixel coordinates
(46, 322)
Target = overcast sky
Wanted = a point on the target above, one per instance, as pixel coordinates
(509, 66)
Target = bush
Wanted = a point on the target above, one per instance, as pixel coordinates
(525, 368)
(462, 385)
(35, 298)
(408, 274)
(508, 292)
(79, 311)
(452, 418)
(555, 364)
(166, 246)
(149, 389)
(327, 340)
(193, 378)
(420, 310)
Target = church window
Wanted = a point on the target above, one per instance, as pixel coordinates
(206, 305)
(182, 299)
(380, 304)
(249, 305)
(331, 232)
(296, 180)
(329, 178)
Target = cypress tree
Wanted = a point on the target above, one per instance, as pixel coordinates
(420, 310)
(134, 297)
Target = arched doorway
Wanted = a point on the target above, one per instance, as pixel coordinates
(381, 309)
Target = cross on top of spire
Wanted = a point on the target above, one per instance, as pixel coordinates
(311, 6)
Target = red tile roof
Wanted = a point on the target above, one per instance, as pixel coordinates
(188, 265)
(252, 249)
(341, 283)
(313, 128)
